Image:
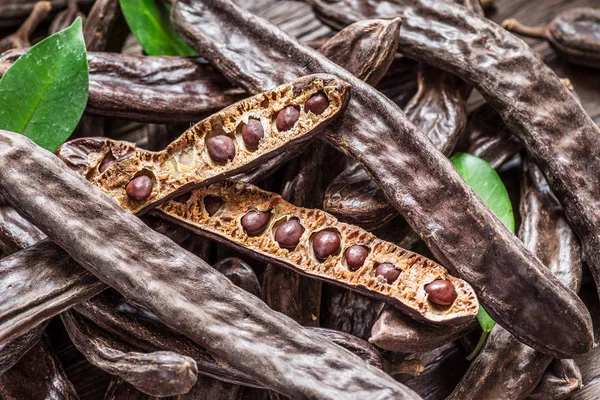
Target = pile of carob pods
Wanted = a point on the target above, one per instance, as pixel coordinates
(274, 248)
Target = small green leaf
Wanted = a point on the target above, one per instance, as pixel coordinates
(484, 180)
(150, 23)
(44, 93)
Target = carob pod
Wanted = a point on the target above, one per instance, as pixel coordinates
(314, 243)
(574, 33)
(65, 18)
(178, 287)
(151, 89)
(12, 13)
(394, 331)
(16, 232)
(38, 375)
(421, 183)
(12, 351)
(99, 24)
(162, 373)
(518, 85)
(506, 368)
(561, 379)
(240, 274)
(42, 281)
(215, 147)
(20, 39)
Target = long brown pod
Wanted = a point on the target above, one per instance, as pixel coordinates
(421, 183)
(506, 368)
(560, 381)
(99, 24)
(182, 290)
(13, 12)
(151, 89)
(38, 375)
(529, 97)
(12, 351)
(16, 232)
(161, 373)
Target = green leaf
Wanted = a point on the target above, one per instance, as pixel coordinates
(44, 93)
(484, 180)
(150, 23)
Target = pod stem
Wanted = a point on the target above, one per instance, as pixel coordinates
(512, 25)
(477, 348)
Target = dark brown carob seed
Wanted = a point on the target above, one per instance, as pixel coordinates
(289, 233)
(255, 221)
(325, 244)
(221, 148)
(139, 188)
(441, 292)
(388, 272)
(252, 133)
(212, 204)
(317, 104)
(355, 256)
(104, 166)
(286, 118)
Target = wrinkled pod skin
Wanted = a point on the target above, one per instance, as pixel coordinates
(179, 288)
(161, 373)
(413, 174)
(560, 381)
(506, 368)
(494, 61)
(574, 33)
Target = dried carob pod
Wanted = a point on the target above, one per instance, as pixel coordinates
(151, 89)
(179, 288)
(225, 143)
(20, 39)
(99, 24)
(65, 18)
(574, 33)
(16, 232)
(561, 379)
(240, 274)
(314, 243)
(12, 351)
(161, 373)
(37, 375)
(12, 13)
(506, 368)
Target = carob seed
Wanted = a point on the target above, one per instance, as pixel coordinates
(441, 292)
(104, 166)
(252, 132)
(212, 204)
(356, 256)
(286, 118)
(139, 188)
(326, 243)
(388, 272)
(255, 222)
(317, 103)
(288, 234)
(221, 148)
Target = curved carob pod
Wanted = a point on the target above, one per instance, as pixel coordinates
(65, 18)
(225, 143)
(179, 288)
(561, 379)
(510, 77)
(151, 89)
(38, 375)
(240, 274)
(16, 232)
(315, 244)
(421, 183)
(20, 39)
(12, 351)
(161, 373)
(506, 368)
(574, 33)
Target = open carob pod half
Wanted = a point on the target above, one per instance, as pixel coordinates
(316, 244)
(574, 33)
(228, 142)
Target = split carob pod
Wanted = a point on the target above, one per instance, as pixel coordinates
(20, 39)
(37, 375)
(416, 178)
(571, 167)
(561, 379)
(574, 33)
(234, 139)
(12, 351)
(179, 288)
(240, 274)
(161, 373)
(42, 281)
(151, 89)
(314, 243)
(505, 368)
